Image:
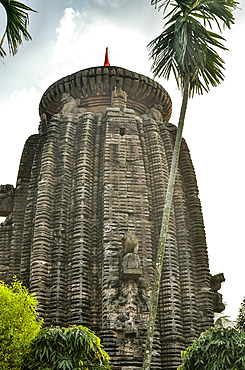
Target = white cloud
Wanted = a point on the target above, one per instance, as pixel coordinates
(19, 115)
(71, 26)
(81, 43)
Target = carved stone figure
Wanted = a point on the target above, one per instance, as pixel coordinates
(70, 105)
(130, 325)
(130, 242)
(131, 261)
(130, 307)
(118, 98)
(154, 112)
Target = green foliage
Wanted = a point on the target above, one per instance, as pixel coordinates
(240, 322)
(187, 47)
(216, 349)
(71, 348)
(18, 322)
(224, 322)
(16, 28)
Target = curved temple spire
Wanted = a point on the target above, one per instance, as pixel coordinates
(86, 213)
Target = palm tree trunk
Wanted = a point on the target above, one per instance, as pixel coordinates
(164, 230)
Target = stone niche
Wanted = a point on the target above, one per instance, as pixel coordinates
(86, 215)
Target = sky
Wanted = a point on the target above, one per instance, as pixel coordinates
(70, 35)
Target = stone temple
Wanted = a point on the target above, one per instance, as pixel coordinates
(83, 222)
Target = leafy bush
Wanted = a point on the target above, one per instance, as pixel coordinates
(71, 348)
(18, 323)
(240, 322)
(216, 349)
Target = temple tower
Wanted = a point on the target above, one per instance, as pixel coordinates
(84, 219)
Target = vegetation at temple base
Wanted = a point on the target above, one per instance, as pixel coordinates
(73, 348)
(217, 349)
(16, 27)
(25, 345)
(220, 348)
(240, 322)
(18, 323)
(187, 48)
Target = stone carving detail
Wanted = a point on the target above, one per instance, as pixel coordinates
(70, 105)
(6, 190)
(216, 281)
(118, 98)
(218, 303)
(131, 262)
(132, 305)
(6, 199)
(130, 243)
(43, 124)
(130, 323)
(131, 320)
(97, 84)
(155, 112)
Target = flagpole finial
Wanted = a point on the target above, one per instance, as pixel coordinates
(106, 62)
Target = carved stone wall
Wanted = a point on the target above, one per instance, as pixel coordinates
(87, 213)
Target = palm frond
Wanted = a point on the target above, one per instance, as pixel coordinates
(17, 22)
(2, 51)
(163, 4)
(187, 48)
(218, 11)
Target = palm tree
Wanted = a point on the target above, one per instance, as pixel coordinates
(187, 47)
(16, 28)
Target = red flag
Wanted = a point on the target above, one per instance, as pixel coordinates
(106, 62)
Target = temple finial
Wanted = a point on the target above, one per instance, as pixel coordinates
(106, 62)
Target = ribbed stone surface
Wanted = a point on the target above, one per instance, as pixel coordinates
(84, 182)
(92, 88)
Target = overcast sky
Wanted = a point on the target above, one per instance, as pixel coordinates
(70, 35)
